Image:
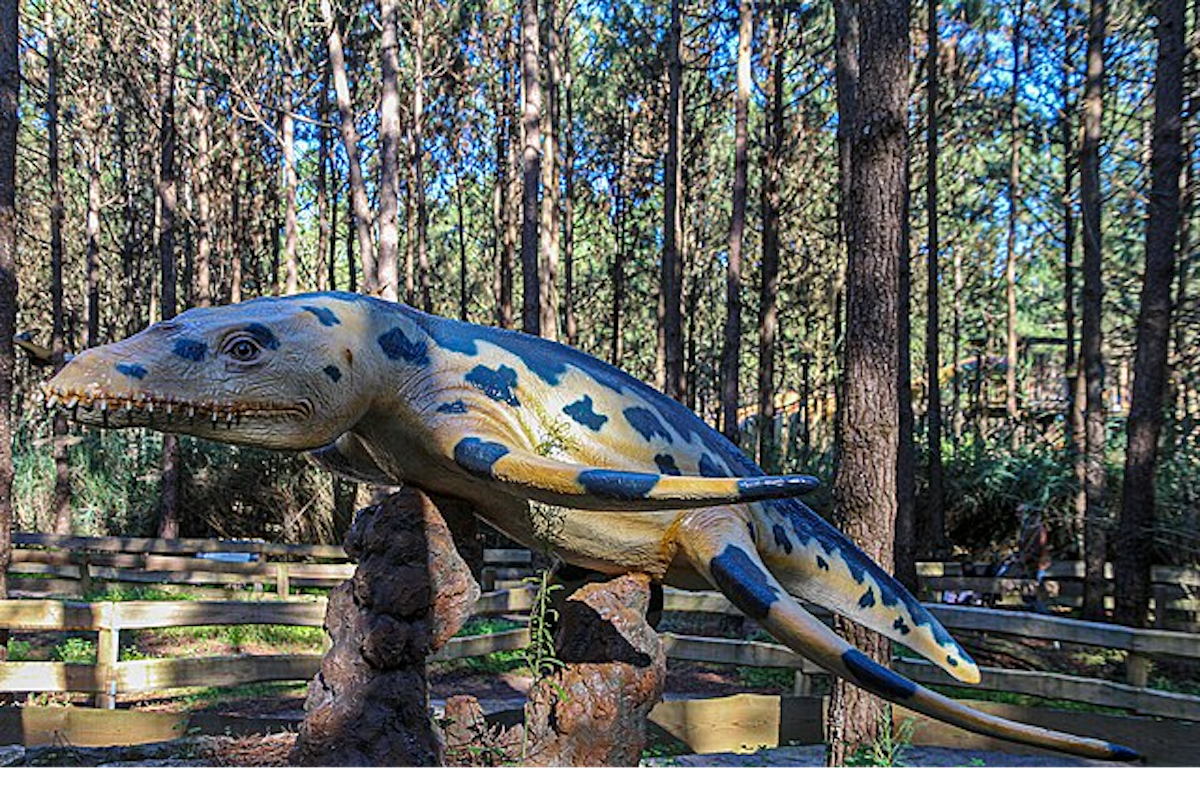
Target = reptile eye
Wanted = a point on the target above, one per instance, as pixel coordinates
(243, 349)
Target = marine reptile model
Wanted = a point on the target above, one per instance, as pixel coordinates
(560, 451)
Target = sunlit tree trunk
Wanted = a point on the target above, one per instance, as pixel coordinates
(389, 149)
(10, 90)
(531, 166)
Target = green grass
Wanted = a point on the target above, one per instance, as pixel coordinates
(215, 695)
(118, 592)
(76, 651)
(18, 651)
(767, 678)
(307, 637)
(493, 664)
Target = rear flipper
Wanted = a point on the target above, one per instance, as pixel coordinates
(717, 543)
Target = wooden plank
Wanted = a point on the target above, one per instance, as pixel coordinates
(503, 602)
(33, 726)
(56, 677)
(27, 615)
(684, 601)
(163, 614)
(213, 671)
(481, 644)
(732, 652)
(181, 546)
(1061, 687)
(507, 556)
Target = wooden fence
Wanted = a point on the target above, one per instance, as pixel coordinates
(42, 559)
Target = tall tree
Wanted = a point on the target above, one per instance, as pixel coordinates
(62, 470)
(1091, 352)
(671, 271)
(731, 346)
(1014, 205)
(389, 150)
(531, 166)
(865, 480)
(1135, 535)
(935, 525)
(551, 239)
(768, 295)
(359, 203)
(166, 190)
(10, 91)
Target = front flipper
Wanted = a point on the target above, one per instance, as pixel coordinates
(718, 544)
(601, 489)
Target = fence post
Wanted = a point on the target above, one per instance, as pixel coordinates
(1137, 670)
(283, 580)
(108, 652)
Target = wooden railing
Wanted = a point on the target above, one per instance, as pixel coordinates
(111, 677)
(72, 565)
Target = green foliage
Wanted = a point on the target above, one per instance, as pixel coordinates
(308, 638)
(767, 678)
(889, 747)
(18, 650)
(76, 651)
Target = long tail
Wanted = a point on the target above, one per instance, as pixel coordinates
(717, 544)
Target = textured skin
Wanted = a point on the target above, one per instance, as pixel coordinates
(562, 452)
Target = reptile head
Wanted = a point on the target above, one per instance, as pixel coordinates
(275, 372)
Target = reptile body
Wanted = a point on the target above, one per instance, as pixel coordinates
(560, 451)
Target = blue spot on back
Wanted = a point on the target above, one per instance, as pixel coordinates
(325, 316)
(191, 349)
(581, 411)
(334, 373)
(398, 347)
(456, 407)
(132, 370)
(497, 384)
(646, 423)
(708, 468)
(868, 599)
(781, 538)
(666, 464)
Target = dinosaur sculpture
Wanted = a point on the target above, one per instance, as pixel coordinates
(559, 450)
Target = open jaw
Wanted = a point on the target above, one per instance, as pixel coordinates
(162, 412)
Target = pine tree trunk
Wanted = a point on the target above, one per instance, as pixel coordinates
(865, 480)
(1095, 490)
(359, 203)
(168, 510)
(904, 544)
(570, 322)
(325, 260)
(389, 148)
(531, 166)
(768, 311)
(291, 179)
(551, 191)
(935, 527)
(1014, 205)
(731, 347)
(61, 504)
(1135, 535)
(202, 178)
(671, 272)
(10, 90)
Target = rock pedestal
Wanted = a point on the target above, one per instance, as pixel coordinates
(590, 712)
(410, 593)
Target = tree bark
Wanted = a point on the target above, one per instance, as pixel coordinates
(291, 179)
(168, 510)
(768, 311)
(1095, 517)
(570, 322)
(731, 349)
(551, 191)
(671, 272)
(201, 121)
(531, 166)
(935, 527)
(865, 479)
(359, 202)
(389, 147)
(325, 261)
(10, 90)
(61, 504)
(1134, 544)
(1014, 205)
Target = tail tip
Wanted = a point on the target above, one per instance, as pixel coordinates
(1120, 753)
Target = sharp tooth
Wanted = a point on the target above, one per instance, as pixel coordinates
(191, 412)
(128, 406)
(72, 402)
(150, 407)
(51, 402)
(170, 408)
(104, 405)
